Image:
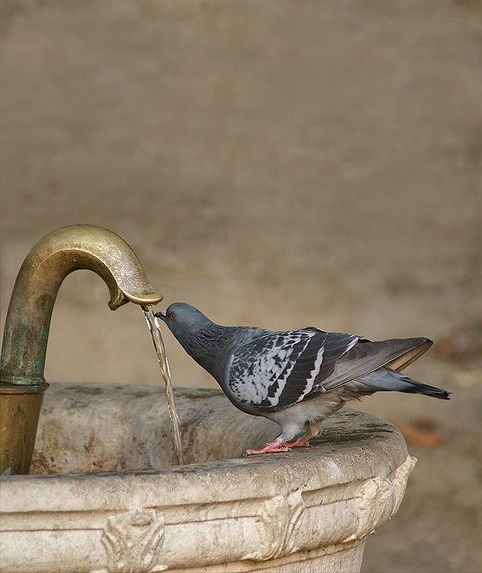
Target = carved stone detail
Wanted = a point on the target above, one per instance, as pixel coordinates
(372, 500)
(133, 542)
(399, 481)
(277, 522)
(379, 499)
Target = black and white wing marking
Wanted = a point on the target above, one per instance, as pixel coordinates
(278, 369)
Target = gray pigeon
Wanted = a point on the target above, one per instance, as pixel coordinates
(295, 377)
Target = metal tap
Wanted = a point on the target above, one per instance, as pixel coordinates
(26, 332)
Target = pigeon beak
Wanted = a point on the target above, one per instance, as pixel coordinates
(161, 316)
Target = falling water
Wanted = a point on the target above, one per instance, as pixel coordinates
(152, 323)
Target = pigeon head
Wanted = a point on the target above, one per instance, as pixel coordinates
(208, 343)
(184, 320)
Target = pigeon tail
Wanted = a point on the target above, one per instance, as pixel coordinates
(415, 387)
(389, 380)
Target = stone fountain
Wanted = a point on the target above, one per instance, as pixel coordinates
(104, 493)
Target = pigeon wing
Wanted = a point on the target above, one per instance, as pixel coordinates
(278, 369)
(366, 357)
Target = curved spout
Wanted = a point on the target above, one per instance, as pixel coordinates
(38, 281)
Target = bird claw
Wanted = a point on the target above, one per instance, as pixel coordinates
(276, 447)
(269, 448)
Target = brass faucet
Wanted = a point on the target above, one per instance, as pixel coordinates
(25, 337)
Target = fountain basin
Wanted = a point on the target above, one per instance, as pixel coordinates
(103, 494)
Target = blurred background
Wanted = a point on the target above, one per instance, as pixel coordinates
(278, 163)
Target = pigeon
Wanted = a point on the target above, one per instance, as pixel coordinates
(295, 378)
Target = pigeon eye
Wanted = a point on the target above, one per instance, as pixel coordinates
(171, 316)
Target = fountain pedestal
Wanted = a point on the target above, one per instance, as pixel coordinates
(104, 497)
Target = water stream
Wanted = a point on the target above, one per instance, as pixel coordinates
(152, 323)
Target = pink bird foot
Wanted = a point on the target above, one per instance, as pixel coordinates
(275, 447)
(269, 448)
